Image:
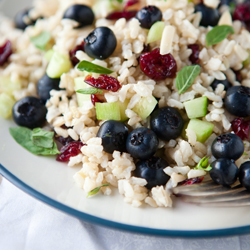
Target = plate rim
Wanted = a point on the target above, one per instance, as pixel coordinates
(117, 225)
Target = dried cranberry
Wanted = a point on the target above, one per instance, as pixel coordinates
(69, 150)
(242, 13)
(158, 67)
(131, 3)
(194, 57)
(103, 82)
(121, 14)
(238, 75)
(241, 128)
(5, 52)
(63, 140)
(72, 53)
(95, 99)
(192, 181)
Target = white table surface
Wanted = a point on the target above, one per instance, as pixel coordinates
(28, 224)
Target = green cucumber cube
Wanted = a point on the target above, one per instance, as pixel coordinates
(6, 104)
(102, 7)
(145, 107)
(58, 65)
(48, 55)
(80, 84)
(202, 129)
(108, 111)
(7, 86)
(196, 108)
(247, 61)
(155, 32)
(123, 107)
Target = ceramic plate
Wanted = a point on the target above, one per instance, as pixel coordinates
(52, 182)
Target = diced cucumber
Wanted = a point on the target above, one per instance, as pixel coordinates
(155, 32)
(247, 61)
(102, 7)
(202, 129)
(6, 104)
(123, 107)
(80, 84)
(58, 65)
(145, 107)
(196, 108)
(48, 55)
(108, 111)
(7, 86)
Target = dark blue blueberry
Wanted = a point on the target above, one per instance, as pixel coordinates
(237, 101)
(45, 85)
(100, 43)
(80, 13)
(167, 123)
(244, 175)
(142, 143)
(225, 82)
(210, 17)
(152, 171)
(148, 15)
(21, 19)
(224, 172)
(29, 112)
(227, 2)
(114, 135)
(228, 146)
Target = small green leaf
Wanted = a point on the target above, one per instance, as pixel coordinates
(89, 91)
(203, 164)
(186, 77)
(42, 138)
(96, 190)
(93, 68)
(23, 136)
(245, 153)
(218, 34)
(41, 40)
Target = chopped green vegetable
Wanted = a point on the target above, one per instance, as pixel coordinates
(23, 136)
(218, 34)
(185, 78)
(42, 138)
(108, 111)
(245, 153)
(196, 108)
(155, 32)
(203, 164)
(6, 104)
(89, 91)
(96, 190)
(80, 84)
(123, 107)
(41, 40)
(48, 55)
(93, 68)
(7, 86)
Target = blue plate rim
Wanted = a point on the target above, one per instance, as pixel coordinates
(116, 225)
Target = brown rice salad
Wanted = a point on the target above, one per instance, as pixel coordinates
(175, 27)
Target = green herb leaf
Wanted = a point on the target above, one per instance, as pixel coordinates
(245, 153)
(96, 190)
(23, 136)
(186, 77)
(93, 68)
(42, 138)
(203, 164)
(218, 34)
(232, 7)
(41, 40)
(89, 91)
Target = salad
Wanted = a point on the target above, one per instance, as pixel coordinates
(143, 95)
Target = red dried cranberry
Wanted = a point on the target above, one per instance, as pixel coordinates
(241, 128)
(103, 82)
(192, 181)
(63, 140)
(95, 99)
(72, 53)
(194, 57)
(69, 150)
(131, 3)
(238, 75)
(121, 14)
(242, 13)
(158, 67)
(5, 52)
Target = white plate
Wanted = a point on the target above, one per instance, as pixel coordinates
(52, 182)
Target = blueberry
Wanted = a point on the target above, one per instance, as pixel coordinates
(45, 85)
(244, 175)
(210, 17)
(224, 172)
(29, 112)
(80, 13)
(167, 123)
(100, 43)
(114, 135)
(228, 146)
(225, 82)
(142, 143)
(148, 15)
(227, 2)
(23, 20)
(237, 101)
(152, 171)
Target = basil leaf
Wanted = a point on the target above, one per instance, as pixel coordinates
(244, 153)
(90, 91)
(96, 190)
(203, 164)
(218, 34)
(93, 68)
(23, 136)
(186, 77)
(41, 40)
(42, 138)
